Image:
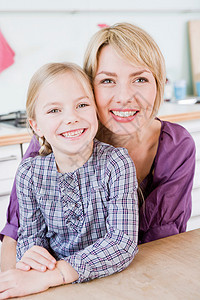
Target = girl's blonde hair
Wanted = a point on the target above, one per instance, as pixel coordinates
(45, 75)
(132, 44)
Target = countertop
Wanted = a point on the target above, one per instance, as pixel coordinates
(10, 135)
(174, 112)
(163, 269)
(169, 111)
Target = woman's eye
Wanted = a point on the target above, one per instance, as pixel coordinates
(141, 79)
(107, 81)
(54, 110)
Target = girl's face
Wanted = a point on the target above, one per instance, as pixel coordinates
(65, 116)
(124, 93)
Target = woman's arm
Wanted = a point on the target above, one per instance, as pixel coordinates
(8, 253)
(167, 208)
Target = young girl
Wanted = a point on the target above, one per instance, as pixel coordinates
(78, 199)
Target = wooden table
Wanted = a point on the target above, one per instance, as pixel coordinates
(168, 268)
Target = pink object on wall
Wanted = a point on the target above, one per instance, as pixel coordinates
(6, 54)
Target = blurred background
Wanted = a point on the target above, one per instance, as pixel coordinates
(41, 31)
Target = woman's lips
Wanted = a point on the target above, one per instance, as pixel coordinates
(124, 116)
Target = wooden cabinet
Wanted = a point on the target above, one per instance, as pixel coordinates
(13, 143)
(10, 157)
(193, 126)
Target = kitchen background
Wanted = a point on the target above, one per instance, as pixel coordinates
(41, 31)
(36, 32)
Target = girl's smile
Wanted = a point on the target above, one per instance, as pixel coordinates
(66, 117)
(73, 133)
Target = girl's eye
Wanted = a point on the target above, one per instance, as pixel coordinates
(81, 105)
(141, 79)
(53, 111)
(107, 81)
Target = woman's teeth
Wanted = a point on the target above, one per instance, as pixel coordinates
(73, 133)
(124, 114)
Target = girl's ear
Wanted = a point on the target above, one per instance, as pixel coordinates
(35, 127)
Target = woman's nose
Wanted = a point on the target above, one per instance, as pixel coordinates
(124, 94)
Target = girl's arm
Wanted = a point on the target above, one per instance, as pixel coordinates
(18, 283)
(117, 248)
(8, 235)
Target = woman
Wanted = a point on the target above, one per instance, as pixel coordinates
(127, 71)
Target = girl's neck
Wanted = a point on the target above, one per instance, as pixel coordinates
(69, 163)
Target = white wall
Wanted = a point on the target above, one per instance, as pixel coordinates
(41, 31)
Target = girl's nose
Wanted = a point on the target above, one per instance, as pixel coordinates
(70, 117)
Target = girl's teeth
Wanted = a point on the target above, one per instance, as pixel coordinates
(73, 133)
(123, 114)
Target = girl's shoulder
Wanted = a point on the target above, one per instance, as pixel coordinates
(110, 153)
(111, 159)
(36, 163)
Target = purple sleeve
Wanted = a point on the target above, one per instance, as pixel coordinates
(11, 227)
(168, 206)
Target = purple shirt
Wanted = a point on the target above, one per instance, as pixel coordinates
(167, 189)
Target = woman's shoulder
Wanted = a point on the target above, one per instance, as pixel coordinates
(176, 146)
(174, 135)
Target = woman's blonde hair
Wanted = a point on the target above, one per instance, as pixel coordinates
(45, 75)
(132, 44)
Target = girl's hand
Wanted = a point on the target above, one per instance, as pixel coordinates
(17, 283)
(37, 258)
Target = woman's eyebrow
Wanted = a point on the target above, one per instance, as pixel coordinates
(132, 74)
(139, 72)
(106, 73)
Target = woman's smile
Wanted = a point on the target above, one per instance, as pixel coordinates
(124, 115)
(125, 93)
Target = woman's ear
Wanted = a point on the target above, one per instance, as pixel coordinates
(35, 127)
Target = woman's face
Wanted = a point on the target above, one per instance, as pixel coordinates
(125, 93)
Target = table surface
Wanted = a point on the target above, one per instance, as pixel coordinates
(168, 268)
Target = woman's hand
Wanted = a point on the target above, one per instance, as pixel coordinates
(37, 258)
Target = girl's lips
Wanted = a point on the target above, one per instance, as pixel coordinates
(124, 116)
(73, 133)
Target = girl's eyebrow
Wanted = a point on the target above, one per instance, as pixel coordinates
(58, 103)
(115, 75)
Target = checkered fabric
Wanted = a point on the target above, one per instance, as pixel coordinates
(88, 217)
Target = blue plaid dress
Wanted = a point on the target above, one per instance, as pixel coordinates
(88, 217)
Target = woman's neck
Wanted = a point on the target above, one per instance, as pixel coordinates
(128, 141)
(141, 145)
